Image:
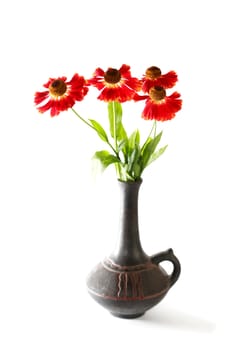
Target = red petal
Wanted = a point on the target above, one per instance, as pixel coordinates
(40, 96)
(119, 94)
(45, 107)
(124, 69)
(98, 73)
(162, 111)
(166, 81)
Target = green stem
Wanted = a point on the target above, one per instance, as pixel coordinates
(91, 126)
(153, 129)
(117, 166)
(114, 125)
(83, 120)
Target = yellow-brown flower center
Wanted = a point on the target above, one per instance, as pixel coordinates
(153, 72)
(157, 93)
(112, 76)
(58, 88)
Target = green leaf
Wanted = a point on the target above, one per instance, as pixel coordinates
(148, 151)
(105, 158)
(121, 133)
(133, 168)
(124, 147)
(133, 159)
(99, 129)
(115, 121)
(145, 144)
(157, 154)
(158, 138)
(134, 140)
(149, 148)
(137, 171)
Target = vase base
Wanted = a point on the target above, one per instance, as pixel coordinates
(127, 316)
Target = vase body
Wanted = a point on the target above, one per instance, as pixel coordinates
(129, 282)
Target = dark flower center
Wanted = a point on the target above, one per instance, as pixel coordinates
(153, 72)
(58, 88)
(157, 93)
(112, 76)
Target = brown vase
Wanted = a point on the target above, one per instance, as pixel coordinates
(129, 282)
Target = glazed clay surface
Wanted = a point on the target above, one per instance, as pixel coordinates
(129, 282)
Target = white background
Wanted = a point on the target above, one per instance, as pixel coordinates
(57, 221)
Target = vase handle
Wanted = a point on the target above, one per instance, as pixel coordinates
(169, 256)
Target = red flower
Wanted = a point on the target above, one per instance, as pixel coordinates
(161, 107)
(154, 77)
(60, 94)
(115, 85)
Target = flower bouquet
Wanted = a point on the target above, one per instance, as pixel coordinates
(128, 282)
(129, 155)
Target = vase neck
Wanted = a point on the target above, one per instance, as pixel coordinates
(128, 249)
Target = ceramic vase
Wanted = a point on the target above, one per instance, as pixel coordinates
(129, 282)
